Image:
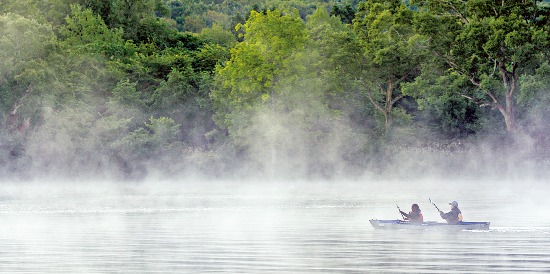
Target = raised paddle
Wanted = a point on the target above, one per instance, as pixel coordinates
(434, 205)
(400, 211)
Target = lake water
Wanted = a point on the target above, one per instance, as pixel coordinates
(267, 228)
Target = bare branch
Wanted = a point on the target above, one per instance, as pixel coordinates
(474, 81)
(468, 97)
(458, 12)
(374, 103)
(396, 99)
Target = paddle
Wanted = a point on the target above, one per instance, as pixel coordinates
(400, 211)
(434, 204)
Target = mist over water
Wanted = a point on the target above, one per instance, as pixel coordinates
(289, 189)
(278, 227)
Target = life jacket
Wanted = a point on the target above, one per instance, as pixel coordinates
(418, 219)
(455, 216)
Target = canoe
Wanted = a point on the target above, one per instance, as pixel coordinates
(399, 224)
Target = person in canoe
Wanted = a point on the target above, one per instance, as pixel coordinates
(415, 216)
(454, 216)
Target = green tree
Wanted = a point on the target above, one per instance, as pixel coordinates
(83, 27)
(392, 52)
(153, 146)
(101, 8)
(273, 99)
(342, 64)
(441, 107)
(346, 14)
(217, 35)
(25, 46)
(257, 63)
(136, 18)
(534, 96)
(43, 11)
(491, 44)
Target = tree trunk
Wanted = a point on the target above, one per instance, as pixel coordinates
(388, 106)
(509, 115)
(510, 81)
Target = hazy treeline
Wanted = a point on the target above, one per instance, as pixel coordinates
(116, 89)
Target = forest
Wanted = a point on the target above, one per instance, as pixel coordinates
(131, 90)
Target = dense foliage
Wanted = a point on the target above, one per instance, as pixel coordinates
(119, 89)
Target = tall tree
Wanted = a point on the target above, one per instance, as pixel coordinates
(259, 62)
(343, 64)
(392, 52)
(490, 44)
(272, 99)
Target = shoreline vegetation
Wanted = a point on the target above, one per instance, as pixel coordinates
(275, 90)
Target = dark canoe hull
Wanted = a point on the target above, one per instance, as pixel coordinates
(398, 224)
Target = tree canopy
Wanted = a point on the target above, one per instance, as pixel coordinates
(122, 89)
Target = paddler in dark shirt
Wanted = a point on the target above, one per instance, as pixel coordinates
(415, 216)
(454, 216)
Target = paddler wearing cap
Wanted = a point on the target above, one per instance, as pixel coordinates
(454, 216)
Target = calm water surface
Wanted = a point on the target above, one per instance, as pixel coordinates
(309, 228)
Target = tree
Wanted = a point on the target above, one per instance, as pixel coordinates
(257, 63)
(535, 98)
(153, 146)
(25, 45)
(392, 52)
(346, 13)
(272, 98)
(217, 35)
(50, 12)
(102, 8)
(83, 27)
(441, 108)
(135, 17)
(343, 65)
(78, 138)
(490, 43)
